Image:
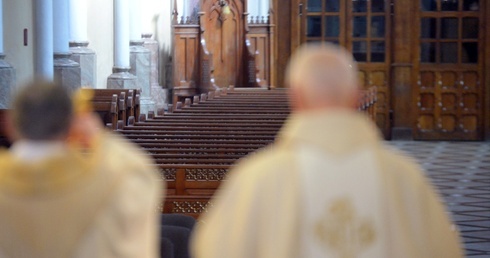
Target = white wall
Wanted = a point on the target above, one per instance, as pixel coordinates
(100, 35)
(17, 16)
(158, 17)
(258, 7)
(264, 7)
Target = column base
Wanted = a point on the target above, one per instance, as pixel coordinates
(66, 71)
(152, 45)
(122, 79)
(7, 82)
(87, 59)
(146, 105)
(140, 67)
(160, 96)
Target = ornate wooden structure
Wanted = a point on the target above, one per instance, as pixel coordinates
(428, 58)
(219, 46)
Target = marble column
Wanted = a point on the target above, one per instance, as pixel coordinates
(7, 72)
(158, 93)
(7, 82)
(81, 54)
(140, 59)
(120, 77)
(1, 26)
(66, 71)
(43, 45)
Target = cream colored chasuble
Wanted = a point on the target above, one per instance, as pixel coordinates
(361, 199)
(328, 187)
(342, 214)
(46, 207)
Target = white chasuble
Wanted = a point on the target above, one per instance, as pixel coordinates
(342, 213)
(327, 188)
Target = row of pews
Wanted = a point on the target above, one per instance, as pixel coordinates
(199, 142)
(116, 106)
(4, 142)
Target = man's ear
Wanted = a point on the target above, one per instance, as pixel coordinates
(295, 99)
(355, 98)
(10, 130)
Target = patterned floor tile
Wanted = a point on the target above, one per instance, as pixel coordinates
(461, 173)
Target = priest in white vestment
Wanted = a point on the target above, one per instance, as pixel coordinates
(328, 186)
(57, 201)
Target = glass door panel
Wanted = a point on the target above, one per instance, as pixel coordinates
(362, 27)
(314, 6)
(323, 22)
(332, 6)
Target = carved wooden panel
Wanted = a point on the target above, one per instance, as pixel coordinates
(259, 42)
(449, 107)
(186, 55)
(449, 71)
(224, 34)
(376, 75)
(434, 43)
(192, 206)
(206, 68)
(205, 174)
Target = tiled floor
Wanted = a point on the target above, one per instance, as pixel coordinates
(461, 172)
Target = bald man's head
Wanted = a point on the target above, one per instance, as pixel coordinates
(322, 76)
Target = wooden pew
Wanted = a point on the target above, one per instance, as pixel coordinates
(198, 143)
(207, 124)
(159, 146)
(189, 205)
(209, 143)
(108, 111)
(4, 142)
(128, 104)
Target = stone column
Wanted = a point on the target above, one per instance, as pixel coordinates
(140, 59)
(158, 93)
(66, 71)
(81, 54)
(43, 48)
(7, 72)
(120, 77)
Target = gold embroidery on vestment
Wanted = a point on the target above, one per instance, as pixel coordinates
(342, 230)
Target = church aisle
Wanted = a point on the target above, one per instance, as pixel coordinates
(461, 172)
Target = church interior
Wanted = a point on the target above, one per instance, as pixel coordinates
(199, 84)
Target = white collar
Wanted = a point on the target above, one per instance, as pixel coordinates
(33, 151)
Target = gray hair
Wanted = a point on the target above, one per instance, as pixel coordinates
(323, 72)
(42, 110)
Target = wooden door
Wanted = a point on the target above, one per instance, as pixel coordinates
(362, 26)
(223, 31)
(448, 75)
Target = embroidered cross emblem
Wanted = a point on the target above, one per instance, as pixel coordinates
(342, 230)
